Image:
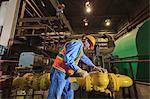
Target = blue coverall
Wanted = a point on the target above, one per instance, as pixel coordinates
(60, 86)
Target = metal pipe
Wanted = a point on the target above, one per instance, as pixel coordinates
(9, 61)
(28, 12)
(38, 13)
(37, 8)
(135, 90)
(36, 19)
(33, 8)
(127, 61)
(32, 27)
(51, 28)
(134, 56)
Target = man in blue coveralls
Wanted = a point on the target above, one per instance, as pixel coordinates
(66, 63)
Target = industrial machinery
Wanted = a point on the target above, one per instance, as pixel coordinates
(137, 49)
(106, 44)
(34, 81)
(100, 81)
(31, 59)
(103, 48)
(30, 74)
(32, 62)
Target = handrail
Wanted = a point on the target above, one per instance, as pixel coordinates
(9, 61)
(134, 56)
(126, 61)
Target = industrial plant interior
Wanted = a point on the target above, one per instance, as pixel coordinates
(32, 33)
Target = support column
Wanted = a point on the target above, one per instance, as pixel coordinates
(21, 16)
(10, 21)
(2, 14)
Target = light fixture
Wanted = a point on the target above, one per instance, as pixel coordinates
(85, 20)
(88, 6)
(88, 10)
(86, 23)
(42, 33)
(107, 22)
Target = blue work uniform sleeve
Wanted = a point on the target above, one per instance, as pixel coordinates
(72, 50)
(87, 61)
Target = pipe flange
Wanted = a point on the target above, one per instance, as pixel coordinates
(89, 86)
(112, 80)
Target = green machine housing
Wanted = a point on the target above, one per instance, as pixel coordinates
(135, 43)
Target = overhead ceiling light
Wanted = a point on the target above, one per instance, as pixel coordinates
(42, 33)
(86, 23)
(88, 6)
(107, 22)
(85, 20)
(88, 10)
(87, 3)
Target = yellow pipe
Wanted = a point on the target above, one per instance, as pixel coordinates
(97, 81)
(124, 81)
(117, 81)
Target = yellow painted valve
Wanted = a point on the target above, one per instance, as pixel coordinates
(99, 81)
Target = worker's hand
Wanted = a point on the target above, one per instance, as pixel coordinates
(100, 69)
(83, 73)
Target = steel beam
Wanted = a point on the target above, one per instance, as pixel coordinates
(37, 8)
(36, 19)
(62, 16)
(37, 12)
(32, 27)
(21, 16)
(33, 8)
